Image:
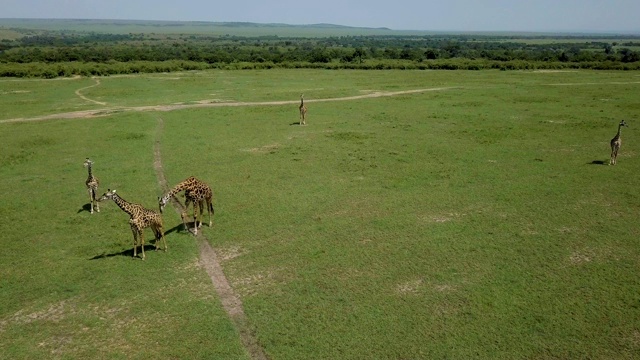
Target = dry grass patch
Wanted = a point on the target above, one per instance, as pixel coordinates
(265, 149)
(230, 252)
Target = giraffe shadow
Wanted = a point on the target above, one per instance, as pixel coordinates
(127, 253)
(86, 207)
(598, 162)
(173, 229)
(295, 123)
(190, 226)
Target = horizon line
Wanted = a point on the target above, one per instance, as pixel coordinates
(327, 24)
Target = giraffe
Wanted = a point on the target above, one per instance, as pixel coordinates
(303, 111)
(615, 144)
(92, 186)
(196, 192)
(140, 218)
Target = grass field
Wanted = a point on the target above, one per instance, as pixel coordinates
(474, 221)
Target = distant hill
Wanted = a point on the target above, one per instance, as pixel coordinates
(196, 27)
(279, 25)
(244, 29)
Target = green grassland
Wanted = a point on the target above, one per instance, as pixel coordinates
(474, 221)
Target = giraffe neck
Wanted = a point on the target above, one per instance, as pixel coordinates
(89, 170)
(619, 130)
(176, 189)
(122, 204)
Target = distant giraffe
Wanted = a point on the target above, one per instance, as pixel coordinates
(92, 186)
(615, 144)
(303, 111)
(196, 192)
(140, 218)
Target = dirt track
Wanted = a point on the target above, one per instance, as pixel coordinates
(108, 111)
(209, 260)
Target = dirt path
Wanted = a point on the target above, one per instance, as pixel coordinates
(88, 87)
(108, 111)
(591, 84)
(210, 260)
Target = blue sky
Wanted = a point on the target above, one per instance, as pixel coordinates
(443, 15)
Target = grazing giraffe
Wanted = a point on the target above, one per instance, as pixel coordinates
(92, 186)
(196, 192)
(140, 218)
(615, 144)
(303, 111)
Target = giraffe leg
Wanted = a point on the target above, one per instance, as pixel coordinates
(611, 158)
(183, 215)
(141, 236)
(96, 201)
(195, 218)
(135, 241)
(154, 228)
(91, 199)
(210, 211)
(161, 233)
(201, 212)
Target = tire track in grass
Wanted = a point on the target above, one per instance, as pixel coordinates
(210, 260)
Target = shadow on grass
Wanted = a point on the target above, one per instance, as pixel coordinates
(147, 247)
(598, 162)
(190, 226)
(295, 123)
(173, 229)
(127, 253)
(86, 207)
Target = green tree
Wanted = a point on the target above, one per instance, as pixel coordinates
(360, 54)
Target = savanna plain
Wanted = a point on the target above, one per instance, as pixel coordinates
(472, 217)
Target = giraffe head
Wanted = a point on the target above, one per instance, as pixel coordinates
(162, 202)
(623, 123)
(88, 162)
(108, 195)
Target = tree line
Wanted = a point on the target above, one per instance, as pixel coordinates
(65, 54)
